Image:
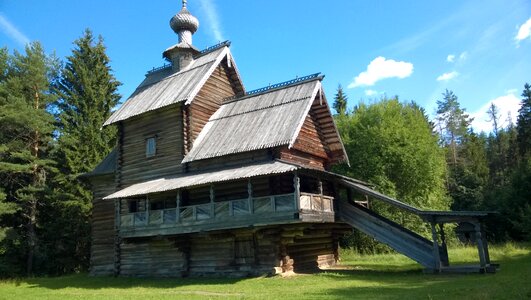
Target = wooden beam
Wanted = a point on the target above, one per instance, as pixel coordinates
(436, 255)
(250, 196)
(178, 206)
(146, 209)
(481, 249)
(296, 190)
(212, 198)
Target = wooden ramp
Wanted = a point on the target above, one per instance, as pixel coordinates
(388, 232)
(431, 254)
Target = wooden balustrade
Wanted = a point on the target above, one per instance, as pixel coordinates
(227, 209)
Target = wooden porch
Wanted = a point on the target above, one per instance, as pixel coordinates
(252, 211)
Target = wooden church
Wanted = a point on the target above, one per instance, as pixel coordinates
(208, 179)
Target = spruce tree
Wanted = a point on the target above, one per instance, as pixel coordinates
(25, 135)
(340, 101)
(87, 92)
(523, 123)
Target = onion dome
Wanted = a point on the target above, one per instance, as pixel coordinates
(184, 21)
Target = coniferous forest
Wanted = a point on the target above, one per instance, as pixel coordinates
(51, 112)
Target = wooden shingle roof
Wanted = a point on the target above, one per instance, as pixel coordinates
(196, 179)
(163, 87)
(257, 121)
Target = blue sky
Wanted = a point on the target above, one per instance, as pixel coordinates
(414, 49)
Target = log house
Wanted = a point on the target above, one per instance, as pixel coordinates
(210, 180)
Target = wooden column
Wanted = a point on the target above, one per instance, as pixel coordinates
(481, 249)
(117, 207)
(146, 209)
(436, 255)
(444, 255)
(320, 189)
(296, 190)
(212, 198)
(178, 206)
(250, 195)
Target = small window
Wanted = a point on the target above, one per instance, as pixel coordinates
(151, 147)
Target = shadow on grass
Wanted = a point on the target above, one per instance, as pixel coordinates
(84, 281)
(365, 281)
(512, 282)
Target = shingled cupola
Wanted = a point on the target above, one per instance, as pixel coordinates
(184, 24)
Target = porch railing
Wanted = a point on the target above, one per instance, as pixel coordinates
(227, 209)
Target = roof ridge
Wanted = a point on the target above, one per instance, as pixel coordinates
(141, 88)
(212, 48)
(276, 86)
(258, 109)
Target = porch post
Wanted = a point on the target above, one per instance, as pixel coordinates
(320, 188)
(146, 209)
(212, 196)
(250, 196)
(178, 206)
(296, 189)
(436, 255)
(481, 249)
(444, 254)
(117, 207)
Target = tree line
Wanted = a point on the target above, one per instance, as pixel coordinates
(51, 113)
(441, 163)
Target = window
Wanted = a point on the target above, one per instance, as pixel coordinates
(151, 146)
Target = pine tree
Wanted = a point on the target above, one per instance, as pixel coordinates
(523, 122)
(87, 92)
(340, 101)
(26, 132)
(453, 122)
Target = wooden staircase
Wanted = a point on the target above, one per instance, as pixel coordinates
(433, 255)
(388, 232)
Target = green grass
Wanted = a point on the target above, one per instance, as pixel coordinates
(388, 276)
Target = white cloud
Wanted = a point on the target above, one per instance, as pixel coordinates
(211, 13)
(463, 55)
(450, 58)
(448, 76)
(370, 92)
(10, 30)
(381, 68)
(507, 105)
(524, 31)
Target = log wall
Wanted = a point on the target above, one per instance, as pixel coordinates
(102, 247)
(302, 158)
(166, 126)
(234, 253)
(208, 100)
(158, 257)
(309, 140)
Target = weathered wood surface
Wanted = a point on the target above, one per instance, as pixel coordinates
(310, 140)
(152, 258)
(103, 227)
(389, 233)
(165, 125)
(302, 158)
(209, 99)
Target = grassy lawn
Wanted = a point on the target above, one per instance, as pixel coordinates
(360, 277)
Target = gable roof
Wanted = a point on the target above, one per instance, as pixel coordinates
(163, 87)
(261, 119)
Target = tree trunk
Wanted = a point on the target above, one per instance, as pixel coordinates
(32, 237)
